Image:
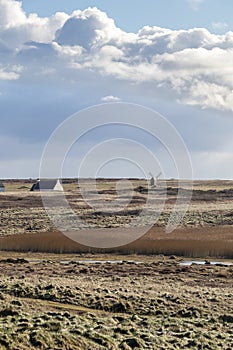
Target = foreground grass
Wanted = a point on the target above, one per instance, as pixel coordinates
(149, 303)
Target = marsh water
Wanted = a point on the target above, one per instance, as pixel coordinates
(205, 262)
(90, 261)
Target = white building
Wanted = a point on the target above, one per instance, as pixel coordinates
(47, 185)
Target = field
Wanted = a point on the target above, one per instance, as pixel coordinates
(205, 230)
(58, 294)
(72, 302)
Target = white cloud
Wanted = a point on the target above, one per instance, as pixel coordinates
(210, 95)
(10, 72)
(195, 65)
(110, 98)
(88, 28)
(17, 28)
(11, 14)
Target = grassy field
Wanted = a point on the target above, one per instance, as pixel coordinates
(69, 302)
(58, 294)
(206, 229)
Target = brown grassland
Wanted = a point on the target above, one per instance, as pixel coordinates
(205, 230)
(58, 294)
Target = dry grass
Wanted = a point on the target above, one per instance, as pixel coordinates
(192, 242)
(23, 185)
(55, 301)
(204, 232)
(64, 303)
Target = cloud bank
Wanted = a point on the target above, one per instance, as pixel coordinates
(195, 65)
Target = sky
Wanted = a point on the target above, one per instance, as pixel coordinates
(172, 56)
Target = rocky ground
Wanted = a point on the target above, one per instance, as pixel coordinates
(63, 302)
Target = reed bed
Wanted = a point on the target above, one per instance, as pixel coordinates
(189, 242)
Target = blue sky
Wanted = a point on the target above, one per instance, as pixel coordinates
(174, 56)
(132, 15)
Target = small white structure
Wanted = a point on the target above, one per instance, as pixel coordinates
(154, 179)
(2, 187)
(47, 185)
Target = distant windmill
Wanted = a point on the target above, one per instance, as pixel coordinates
(154, 179)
